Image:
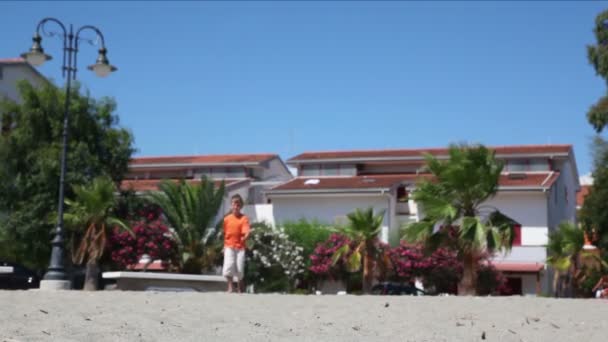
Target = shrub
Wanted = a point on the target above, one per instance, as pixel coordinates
(321, 260)
(408, 262)
(440, 271)
(307, 234)
(150, 236)
(490, 281)
(445, 272)
(274, 262)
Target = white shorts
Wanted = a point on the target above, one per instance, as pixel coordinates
(234, 263)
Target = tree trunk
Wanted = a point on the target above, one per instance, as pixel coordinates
(556, 277)
(90, 277)
(368, 271)
(468, 283)
(573, 277)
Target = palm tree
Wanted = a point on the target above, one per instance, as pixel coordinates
(190, 210)
(565, 250)
(91, 211)
(362, 230)
(453, 210)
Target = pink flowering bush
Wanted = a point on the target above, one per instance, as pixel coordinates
(490, 281)
(321, 263)
(408, 262)
(150, 236)
(441, 271)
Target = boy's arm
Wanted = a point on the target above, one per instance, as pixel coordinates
(246, 229)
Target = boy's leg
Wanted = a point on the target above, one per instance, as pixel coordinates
(240, 269)
(228, 269)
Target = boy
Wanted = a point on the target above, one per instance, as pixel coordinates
(236, 232)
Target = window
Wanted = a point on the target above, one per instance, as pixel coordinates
(0, 72)
(539, 165)
(402, 205)
(310, 170)
(402, 195)
(517, 235)
(218, 172)
(235, 172)
(330, 170)
(348, 170)
(517, 165)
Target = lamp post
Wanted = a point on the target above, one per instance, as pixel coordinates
(56, 277)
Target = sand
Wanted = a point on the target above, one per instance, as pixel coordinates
(36, 315)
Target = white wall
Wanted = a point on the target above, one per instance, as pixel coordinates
(329, 209)
(528, 284)
(523, 254)
(260, 213)
(275, 171)
(11, 74)
(561, 209)
(527, 208)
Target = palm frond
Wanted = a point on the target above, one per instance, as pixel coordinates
(418, 231)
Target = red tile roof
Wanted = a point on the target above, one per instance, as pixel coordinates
(520, 267)
(205, 159)
(528, 180)
(355, 182)
(152, 184)
(544, 180)
(413, 153)
(580, 196)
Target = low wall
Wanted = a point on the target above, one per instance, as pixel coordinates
(150, 281)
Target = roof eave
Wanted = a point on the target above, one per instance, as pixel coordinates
(181, 165)
(326, 191)
(414, 158)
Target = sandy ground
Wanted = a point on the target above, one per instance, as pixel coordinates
(36, 315)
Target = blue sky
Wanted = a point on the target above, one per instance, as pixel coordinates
(289, 77)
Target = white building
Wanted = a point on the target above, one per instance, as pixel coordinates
(13, 70)
(246, 174)
(537, 189)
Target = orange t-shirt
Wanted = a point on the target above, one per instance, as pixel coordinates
(234, 230)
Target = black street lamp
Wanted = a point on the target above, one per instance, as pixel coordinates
(56, 277)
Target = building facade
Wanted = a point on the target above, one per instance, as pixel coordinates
(13, 70)
(249, 175)
(538, 189)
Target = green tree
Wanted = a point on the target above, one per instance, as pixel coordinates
(454, 214)
(30, 148)
(563, 249)
(90, 215)
(598, 57)
(572, 263)
(190, 210)
(362, 229)
(594, 213)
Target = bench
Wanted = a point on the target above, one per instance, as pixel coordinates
(152, 281)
